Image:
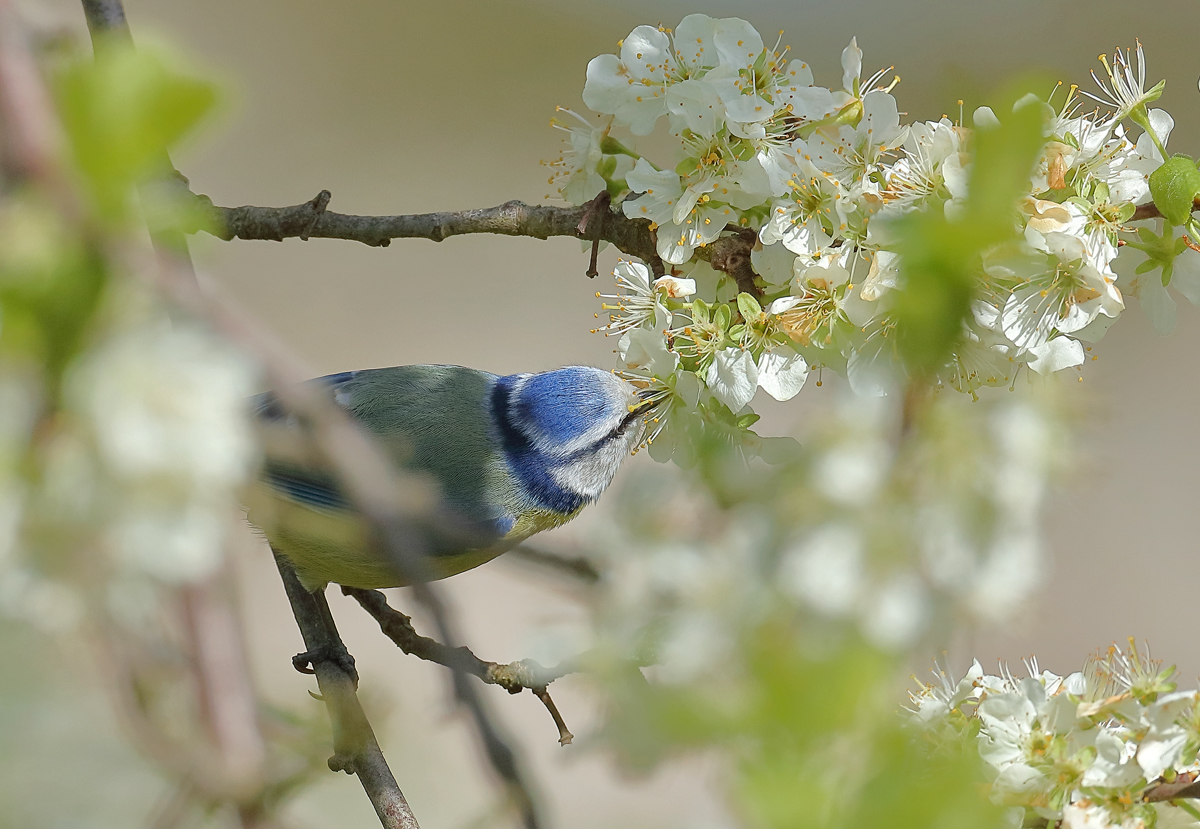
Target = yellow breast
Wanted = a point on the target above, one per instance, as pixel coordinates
(332, 545)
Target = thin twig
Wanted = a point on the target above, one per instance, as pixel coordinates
(1172, 791)
(108, 26)
(1150, 210)
(591, 226)
(106, 18)
(564, 735)
(356, 750)
(513, 218)
(171, 812)
(355, 746)
(228, 703)
(574, 567)
(513, 677)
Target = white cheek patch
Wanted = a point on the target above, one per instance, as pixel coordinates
(590, 474)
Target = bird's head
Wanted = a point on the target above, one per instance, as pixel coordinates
(580, 422)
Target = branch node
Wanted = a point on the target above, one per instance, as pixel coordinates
(731, 254)
(591, 226)
(341, 762)
(317, 205)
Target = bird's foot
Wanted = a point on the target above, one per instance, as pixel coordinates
(306, 662)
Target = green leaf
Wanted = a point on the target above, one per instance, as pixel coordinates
(122, 112)
(749, 308)
(722, 317)
(1174, 187)
(940, 258)
(686, 167)
(700, 310)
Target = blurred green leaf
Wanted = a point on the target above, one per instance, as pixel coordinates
(122, 112)
(940, 256)
(49, 286)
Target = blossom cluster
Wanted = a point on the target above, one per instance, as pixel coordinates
(140, 474)
(1084, 749)
(856, 534)
(819, 176)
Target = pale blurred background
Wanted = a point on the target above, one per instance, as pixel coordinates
(412, 107)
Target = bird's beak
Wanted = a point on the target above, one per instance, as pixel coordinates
(647, 402)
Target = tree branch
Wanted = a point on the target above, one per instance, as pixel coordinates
(311, 220)
(513, 677)
(1185, 786)
(574, 567)
(1150, 211)
(355, 748)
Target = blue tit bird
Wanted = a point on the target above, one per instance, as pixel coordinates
(511, 455)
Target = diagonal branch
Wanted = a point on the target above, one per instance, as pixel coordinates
(513, 677)
(356, 750)
(311, 220)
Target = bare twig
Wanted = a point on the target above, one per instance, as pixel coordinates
(108, 26)
(355, 749)
(355, 746)
(591, 226)
(513, 677)
(1186, 786)
(106, 18)
(1150, 211)
(564, 735)
(228, 703)
(513, 218)
(574, 567)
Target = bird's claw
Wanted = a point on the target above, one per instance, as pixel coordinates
(306, 662)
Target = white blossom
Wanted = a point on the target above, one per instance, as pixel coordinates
(732, 377)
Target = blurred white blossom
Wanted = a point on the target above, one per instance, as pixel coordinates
(165, 408)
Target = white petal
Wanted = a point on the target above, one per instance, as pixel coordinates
(642, 348)
(694, 41)
(687, 388)
(785, 303)
(643, 178)
(1161, 751)
(1185, 277)
(985, 119)
(851, 65)
(1055, 355)
(774, 263)
(738, 43)
(781, 374)
(733, 377)
(675, 287)
(697, 103)
(1156, 302)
